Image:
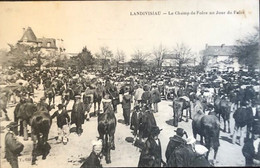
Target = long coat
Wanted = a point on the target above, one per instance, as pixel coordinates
(151, 155)
(12, 147)
(182, 156)
(155, 96)
(174, 142)
(92, 161)
(77, 113)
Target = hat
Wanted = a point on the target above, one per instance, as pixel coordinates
(78, 97)
(200, 149)
(60, 106)
(12, 125)
(155, 130)
(191, 140)
(180, 131)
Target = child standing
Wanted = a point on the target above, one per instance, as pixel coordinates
(63, 120)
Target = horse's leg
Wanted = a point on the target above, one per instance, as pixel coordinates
(241, 135)
(6, 115)
(34, 151)
(224, 124)
(228, 121)
(108, 147)
(25, 131)
(99, 106)
(21, 128)
(215, 155)
(187, 115)
(201, 140)
(234, 138)
(95, 106)
(113, 142)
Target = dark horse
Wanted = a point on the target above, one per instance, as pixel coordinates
(50, 94)
(180, 104)
(41, 123)
(223, 109)
(106, 130)
(98, 94)
(207, 126)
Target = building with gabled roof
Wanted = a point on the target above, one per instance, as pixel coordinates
(221, 58)
(49, 47)
(46, 45)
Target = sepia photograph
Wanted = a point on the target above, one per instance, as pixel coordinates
(129, 84)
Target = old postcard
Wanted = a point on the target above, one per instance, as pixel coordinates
(129, 83)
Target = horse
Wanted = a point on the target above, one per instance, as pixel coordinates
(106, 129)
(41, 124)
(180, 104)
(98, 94)
(223, 109)
(24, 112)
(207, 126)
(50, 94)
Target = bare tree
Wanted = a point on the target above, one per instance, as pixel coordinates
(182, 55)
(139, 58)
(104, 56)
(247, 50)
(119, 57)
(159, 54)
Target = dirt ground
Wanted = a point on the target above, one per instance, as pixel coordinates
(125, 154)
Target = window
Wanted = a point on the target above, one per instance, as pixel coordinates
(48, 44)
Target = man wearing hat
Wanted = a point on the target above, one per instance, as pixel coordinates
(175, 141)
(77, 114)
(126, 105)
(146, 96)
(93, 159)
(183, 155)
(138, 94)
(12, 146)
(63, 120)
(151, 155)
(88, 100)
(155, 96)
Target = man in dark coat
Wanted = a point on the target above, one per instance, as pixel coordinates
(156, 97)
(77, 114)
(146, 96)
(12, 146)
(251, 151)
(174, 142)
(126, 105)
(93, 160)
(182, 156)
(151, 155)
(62, 122)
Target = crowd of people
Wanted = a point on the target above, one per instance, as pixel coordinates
(139, 94)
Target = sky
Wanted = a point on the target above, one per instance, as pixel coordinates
(113, 24)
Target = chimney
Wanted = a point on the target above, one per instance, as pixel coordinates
(206, 45)
(222, 45)
(23, 29)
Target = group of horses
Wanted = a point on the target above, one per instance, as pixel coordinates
(208, 125)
